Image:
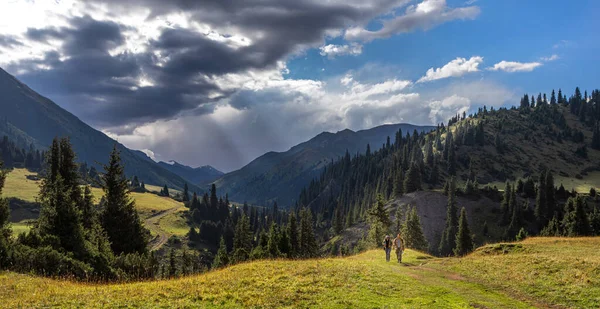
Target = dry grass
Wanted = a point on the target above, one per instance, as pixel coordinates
(18, 186)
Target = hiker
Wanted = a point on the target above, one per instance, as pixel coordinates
(399, 246)
(387, 247)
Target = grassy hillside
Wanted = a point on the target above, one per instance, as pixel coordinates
(534, 273)
(163, 216)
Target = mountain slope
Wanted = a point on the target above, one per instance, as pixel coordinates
(534, 273)
(198, 176)
(280, 176)
(31, 118)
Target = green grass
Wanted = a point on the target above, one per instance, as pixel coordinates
(534, 273)
(175, 223)
(583, 185)
(20, 227)
(18, 186)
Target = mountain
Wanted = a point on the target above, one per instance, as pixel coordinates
(280, 176)
(29, 118)
(198, 176)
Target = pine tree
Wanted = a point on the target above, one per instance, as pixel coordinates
(222, 258)
(5, 230)
(550, 195)
(119, 218)
(242, 240)
(338, 225)
(273, 242)
(412, 231)
(464, 239)
(172, 263)
(596, 137)
(448, 241)
(576, 221)
(186, 194)
(293, 234)
(540, 201)
(451, 159)
(60, 216)
(308, 243)
(399, 183)
(412, 182)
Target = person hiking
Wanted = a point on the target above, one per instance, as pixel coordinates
(398, 244)
(387, 247)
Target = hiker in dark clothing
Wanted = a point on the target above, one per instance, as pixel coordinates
(387, 246)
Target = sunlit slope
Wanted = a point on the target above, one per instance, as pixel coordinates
(162, 215)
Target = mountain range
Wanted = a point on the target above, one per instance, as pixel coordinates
(199, 175)
(280, 176)
(30, 118)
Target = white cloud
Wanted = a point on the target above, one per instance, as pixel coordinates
(332, 51)
(512, 66)
(441, 110)
(455, 68)
(551, 58)
(424, 15)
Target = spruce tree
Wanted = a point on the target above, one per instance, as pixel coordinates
(60, 216)
(5, 230)
(120, 218)
(186, 194)
(412, 231)
(541, 209)
(293, 235)
(273, 242)
(308, 243)
(550, 195)
(464, 239)
(412, 182)
(242, 240)
(448, 241)
(576, 221)
(222, 258)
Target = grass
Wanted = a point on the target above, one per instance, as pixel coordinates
(539, 272)
(363, 281)
(18, 186)
(20, 227)
(561, 271)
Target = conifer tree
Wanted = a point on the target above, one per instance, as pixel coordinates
(464, 239)
(596, 137)
(412, 231)
(242, 240)
(186, 194)
(293, 235)
(222, 258)
(60, 216)
(5, 230)
(412, 182)
(550, 195)
(308, 242)
(399, 183)
(273, 242)
(451, 160)
(448, 241)
(576, 221)
(540, 201)
(119, 218)
(172, 263)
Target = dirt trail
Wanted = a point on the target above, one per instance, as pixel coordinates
(152, 224)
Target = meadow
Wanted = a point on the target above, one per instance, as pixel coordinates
(163, 216)
(529, 274)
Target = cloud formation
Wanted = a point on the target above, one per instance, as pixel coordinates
(551, 58)
(455, 68)
(424, 15)
(512, 66)
(332, 50)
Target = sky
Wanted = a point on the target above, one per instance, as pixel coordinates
(221, 82)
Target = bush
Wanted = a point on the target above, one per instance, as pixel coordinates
(48, 262)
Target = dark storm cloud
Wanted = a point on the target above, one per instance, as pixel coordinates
(8, 41)
(102, 86)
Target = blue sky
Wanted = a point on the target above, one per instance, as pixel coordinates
(222, 82)
(512, 30)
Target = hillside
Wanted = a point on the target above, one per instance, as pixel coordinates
(163, 216)
(280, 176)
(198, 176)
(29, 118)
(531, 274)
